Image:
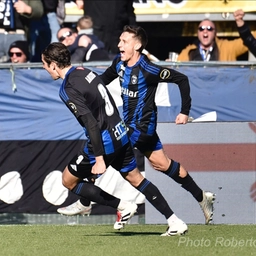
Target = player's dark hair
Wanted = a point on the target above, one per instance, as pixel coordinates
(58, 53)
(139, 33)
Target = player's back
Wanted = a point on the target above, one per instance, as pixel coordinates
(86, 93)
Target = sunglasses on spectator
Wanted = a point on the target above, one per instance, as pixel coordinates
(209, 28)
(65, 35)
(18, 54)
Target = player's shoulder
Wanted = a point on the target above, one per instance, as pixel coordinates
(148, 65)
(82, 72)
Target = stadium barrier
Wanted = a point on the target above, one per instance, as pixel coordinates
(38, 135)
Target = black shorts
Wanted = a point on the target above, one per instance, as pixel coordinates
(144, 142)
(123, 160)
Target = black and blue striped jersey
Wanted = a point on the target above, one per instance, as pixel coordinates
(88, 99)
(138, 88)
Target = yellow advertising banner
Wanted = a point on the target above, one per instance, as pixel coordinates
(192, 6)
(181, 6)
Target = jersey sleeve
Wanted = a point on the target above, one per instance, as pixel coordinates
(110, 73)
(91, 125)
(77, 105)
(173, 76)
(248, 38)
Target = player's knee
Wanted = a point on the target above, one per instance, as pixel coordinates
(161, 165)
(67, 180)
(134, 177)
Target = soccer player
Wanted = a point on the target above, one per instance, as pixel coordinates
(86, 96)
(139, 79)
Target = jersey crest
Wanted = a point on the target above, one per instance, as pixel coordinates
(134, 79)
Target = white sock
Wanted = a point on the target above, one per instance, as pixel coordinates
(172, 219)
(122, 205)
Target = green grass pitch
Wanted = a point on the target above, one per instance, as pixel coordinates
(134, 240)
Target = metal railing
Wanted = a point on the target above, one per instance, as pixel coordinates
(105, 64)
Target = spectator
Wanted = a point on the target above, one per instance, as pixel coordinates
(109, 18)
(85, 25)
(82, 47)
(61, 12)
(208, 47)
(14, 22)
(44, 31)
(19, 52)
(245, 32)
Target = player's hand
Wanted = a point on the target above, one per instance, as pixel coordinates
(99, 167)
(181, 119)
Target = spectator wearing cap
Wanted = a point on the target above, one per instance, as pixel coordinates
(18, 52)
(15, 17)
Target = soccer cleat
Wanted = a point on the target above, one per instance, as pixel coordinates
(177, 228)
(118, 224)
(124, 215)
(75, 209)
(207, 206)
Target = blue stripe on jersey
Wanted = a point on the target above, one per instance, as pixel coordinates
(89, 155)
(149, 68)
(141, 96)
(152, 126)
(107, 142)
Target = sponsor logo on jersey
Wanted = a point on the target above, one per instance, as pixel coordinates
(165, 73)
(129, 93)
(120, 130)
(72, 107)
(90, 77)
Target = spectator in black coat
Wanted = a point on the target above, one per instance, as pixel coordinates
(245, 33)
(109, 18)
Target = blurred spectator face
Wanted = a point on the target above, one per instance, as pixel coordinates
(17, 55)
(206, 33)
(66, 36)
